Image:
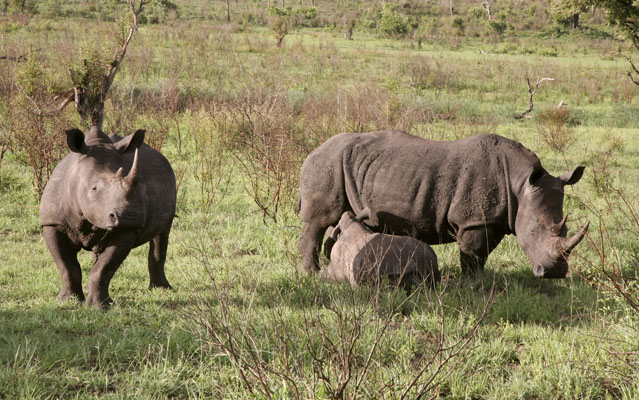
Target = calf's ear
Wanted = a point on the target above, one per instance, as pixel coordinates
(572, 177)
(131, 142)
(75, 140)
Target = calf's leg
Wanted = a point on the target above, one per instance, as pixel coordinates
(64, 254)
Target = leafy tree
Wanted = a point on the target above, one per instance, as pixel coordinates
(625, 15)
(569, 10)
(392, 23)
(280, 20)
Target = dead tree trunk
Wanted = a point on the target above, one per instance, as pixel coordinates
(89, 100)
(228, 10)
(531, 92)
(574, 21)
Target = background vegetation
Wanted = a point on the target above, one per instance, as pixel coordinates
(235, 94)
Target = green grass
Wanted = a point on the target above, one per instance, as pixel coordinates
(560, 339)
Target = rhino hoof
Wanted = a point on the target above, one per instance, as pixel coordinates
(93, 301)
(66, 295)
(160, 285)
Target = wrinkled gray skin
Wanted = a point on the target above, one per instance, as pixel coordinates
(473, 191)
(359, 255)
(97, 199)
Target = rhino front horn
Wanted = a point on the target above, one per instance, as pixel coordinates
(574, 240)
(131, 180)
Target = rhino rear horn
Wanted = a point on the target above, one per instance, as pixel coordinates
(574, 240)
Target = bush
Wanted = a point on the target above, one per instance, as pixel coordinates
(555, 128)
(392, 23)
(459, 26)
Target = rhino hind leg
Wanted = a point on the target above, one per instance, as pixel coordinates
(309, 245)
(157, 257)
(107, 262)
(474, 247)
(64, 254)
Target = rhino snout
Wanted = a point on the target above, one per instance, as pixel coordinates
(112, 220)
(557, 271)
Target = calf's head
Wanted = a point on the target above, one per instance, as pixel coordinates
(103, 186)
(540, 225)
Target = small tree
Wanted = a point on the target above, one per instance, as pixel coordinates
(280, 18)
(625, 15)
(569, 10)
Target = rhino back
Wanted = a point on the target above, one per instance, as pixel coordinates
(390, 255)
(431, 189)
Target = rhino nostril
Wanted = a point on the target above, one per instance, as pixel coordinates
(538, 271)
(113, 219)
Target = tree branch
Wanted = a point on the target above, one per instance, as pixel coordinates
(532, 92)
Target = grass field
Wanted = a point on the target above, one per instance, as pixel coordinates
(243, 320)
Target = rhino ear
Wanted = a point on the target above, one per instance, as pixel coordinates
(131, 142)
(75, 140)
(535, 176)
(572, 177)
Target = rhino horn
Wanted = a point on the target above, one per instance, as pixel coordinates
(131, 180)
(574, 240)
(558, 227)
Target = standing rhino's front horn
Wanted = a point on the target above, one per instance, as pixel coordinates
(574, 240)
(131, 180)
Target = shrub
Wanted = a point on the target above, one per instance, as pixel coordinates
(392, 23)
(458, 26)
(554, 128)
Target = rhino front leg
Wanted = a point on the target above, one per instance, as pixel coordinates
(102, 271)
(475, 245)
(157, 258)
(64, 254)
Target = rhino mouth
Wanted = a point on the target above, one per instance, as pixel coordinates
(557, 271)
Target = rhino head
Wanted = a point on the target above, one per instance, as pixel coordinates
(540, 225)
(104, 187)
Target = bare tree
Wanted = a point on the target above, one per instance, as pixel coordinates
(487, 4)
(531, 92)
(91, 87)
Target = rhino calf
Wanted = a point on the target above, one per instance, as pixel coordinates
(359, 255)
(108, 195)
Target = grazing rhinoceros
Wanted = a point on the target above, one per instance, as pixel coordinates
(473, 191)
(109, 195)
(359, 255)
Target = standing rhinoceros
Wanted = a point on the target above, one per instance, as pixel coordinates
(109, 195)
(473, 191)
(358, 255)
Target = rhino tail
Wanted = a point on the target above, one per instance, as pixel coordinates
(298, 207)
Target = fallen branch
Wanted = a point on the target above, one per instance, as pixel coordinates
(532, 92)
(13, 58)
